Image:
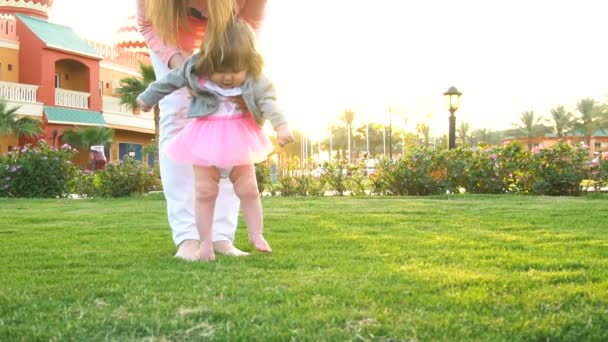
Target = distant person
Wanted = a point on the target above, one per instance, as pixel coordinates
(231, 101)
(173, 30)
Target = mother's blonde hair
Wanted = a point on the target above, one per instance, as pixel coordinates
(169, 16)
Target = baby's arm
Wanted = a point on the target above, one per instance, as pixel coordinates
(266, 100)
(157, 90)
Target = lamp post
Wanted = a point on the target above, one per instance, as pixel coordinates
(383, 141)
(453, 96)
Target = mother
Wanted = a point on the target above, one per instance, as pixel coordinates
(173, 30)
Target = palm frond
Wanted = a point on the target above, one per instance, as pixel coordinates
(7, 118)
(130, 88)
(88, 136)
(28, 127)
(147, 73)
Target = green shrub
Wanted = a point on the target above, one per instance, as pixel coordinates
(288, 185)
(421, 172)
(262, 176)
(598, 170)
(513, 163)
(84, 184)
(356, 179)
(559, 170)
(125, 179)
(37, 171)
(485, 175)
(457, 165)
(377, 181)
(334, 174)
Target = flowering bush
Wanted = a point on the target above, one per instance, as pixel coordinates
(335, 175)
(288, 183)
(419, 173)
(558, 170)
(84, 184)
(598, 169)
(121, 179)
(377, 180)
(37, 171)
(513, 163)
(457, 165)
(485, 175)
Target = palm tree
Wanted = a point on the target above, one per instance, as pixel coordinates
(563, 121)
(482, 136)
(590, 119)
(463, 132)
(88, 136)
(131, 87)
(339, 141)
(10, 125)
(348, 116)
(530, 127)
(424, 130)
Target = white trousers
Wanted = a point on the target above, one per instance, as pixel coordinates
(178, 179)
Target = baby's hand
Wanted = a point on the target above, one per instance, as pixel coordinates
(284, 135)
(141, 104)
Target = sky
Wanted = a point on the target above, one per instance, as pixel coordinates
(327, 56)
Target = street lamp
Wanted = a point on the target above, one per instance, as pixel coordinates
(454, 100)
(132, 154)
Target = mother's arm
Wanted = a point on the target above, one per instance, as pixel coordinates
(252, 11)
(155, 43)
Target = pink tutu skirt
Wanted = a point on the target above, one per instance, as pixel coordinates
(220, 141)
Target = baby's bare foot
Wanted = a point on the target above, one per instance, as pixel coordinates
(227, 248)
(188, 250)
(207, 253)
(260, 244)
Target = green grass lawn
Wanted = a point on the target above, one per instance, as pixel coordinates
(431, 268)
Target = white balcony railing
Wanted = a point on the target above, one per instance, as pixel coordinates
(18, 91)
(112, 105)
(117, 115)
(71, 98)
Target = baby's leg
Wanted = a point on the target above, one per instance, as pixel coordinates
(246, 188)
(206, 181)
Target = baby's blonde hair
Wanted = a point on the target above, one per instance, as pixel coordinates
(236, 51)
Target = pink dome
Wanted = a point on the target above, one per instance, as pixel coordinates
(35, 8)
(129, 38)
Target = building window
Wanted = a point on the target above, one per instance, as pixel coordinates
(130, 150)
(10, 67)
(67, 77)
(10, 148)
(598, 146)
(57, 81)
(107, 85)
